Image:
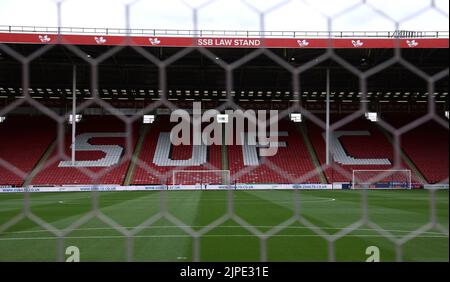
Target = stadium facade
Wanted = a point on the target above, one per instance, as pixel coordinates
(324, 86)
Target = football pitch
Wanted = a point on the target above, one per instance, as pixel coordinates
(230, 225)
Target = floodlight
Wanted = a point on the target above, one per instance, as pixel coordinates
(148, 119)
(222, 118)
(372, 116)
(2, 119)
(77, 118)
(296, 117)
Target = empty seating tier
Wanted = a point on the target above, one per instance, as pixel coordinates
(23, 141)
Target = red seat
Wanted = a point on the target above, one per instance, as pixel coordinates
(54, 175)
(375, 146)
(151, 173)
(23, 141)
(292, 162)
(426, 146)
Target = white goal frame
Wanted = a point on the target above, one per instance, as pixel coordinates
(227, 176)
(381, 171)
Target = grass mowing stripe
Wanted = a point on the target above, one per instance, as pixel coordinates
(155, 244)
(398, 211)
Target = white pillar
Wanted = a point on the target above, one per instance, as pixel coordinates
(74, 105)
(327, 129)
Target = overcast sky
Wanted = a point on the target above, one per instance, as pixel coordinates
(307, 15)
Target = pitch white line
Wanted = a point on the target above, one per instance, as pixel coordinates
(188, 236)
(218, 227)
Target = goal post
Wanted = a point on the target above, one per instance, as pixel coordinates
(193, 177)
(381, 179)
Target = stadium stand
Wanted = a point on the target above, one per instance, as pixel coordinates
(56, 173)
(293, 160)
(430, 155)
(357, 145)
(23, 141)
(159, 159)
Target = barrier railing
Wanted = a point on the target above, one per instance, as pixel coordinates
(224, 33)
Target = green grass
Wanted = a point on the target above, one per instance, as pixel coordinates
(399, 212)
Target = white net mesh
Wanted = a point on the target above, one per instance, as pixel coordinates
(146, 173)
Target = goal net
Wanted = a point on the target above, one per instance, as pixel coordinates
(381, 179)
(195, 177)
